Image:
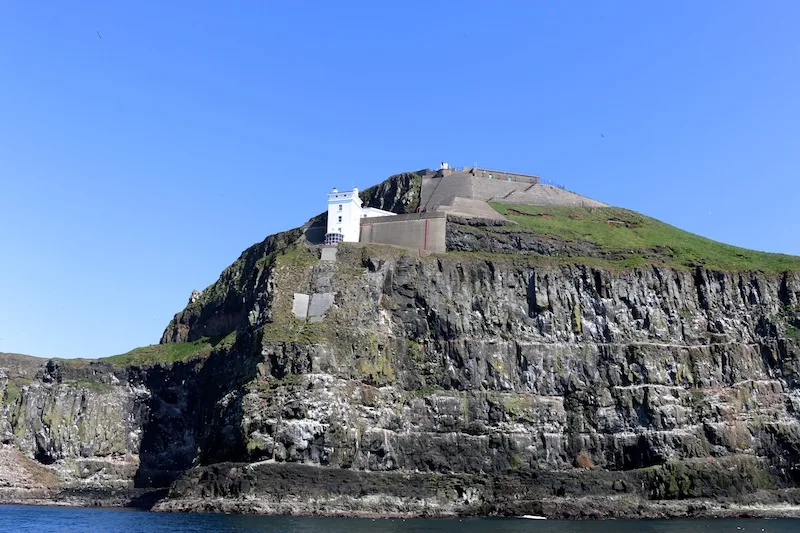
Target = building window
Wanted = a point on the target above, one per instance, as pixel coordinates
(340, 220)
(340, 207)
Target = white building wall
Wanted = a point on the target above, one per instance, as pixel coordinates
(369, 212)
(344, 212)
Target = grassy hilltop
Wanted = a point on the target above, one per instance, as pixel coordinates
(638, 239)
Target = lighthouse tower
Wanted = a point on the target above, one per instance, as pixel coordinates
(344, 214)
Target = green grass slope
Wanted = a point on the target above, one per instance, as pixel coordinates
(22, 369)
(172, 352)
(640, 239)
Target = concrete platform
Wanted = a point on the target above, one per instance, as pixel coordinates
(465, 194)
(468, 208)
(300, 306)
(320, 303)
(328, 253)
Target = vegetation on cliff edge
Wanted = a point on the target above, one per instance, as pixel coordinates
(635, 236)
(169, 352)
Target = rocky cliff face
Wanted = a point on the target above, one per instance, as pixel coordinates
(470, 382)
(490, 367)
(83, 420)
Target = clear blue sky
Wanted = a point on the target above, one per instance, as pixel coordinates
(137, 164)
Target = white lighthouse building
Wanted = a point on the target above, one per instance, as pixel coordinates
(345, 214)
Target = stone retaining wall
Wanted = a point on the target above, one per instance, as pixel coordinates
(425, 231)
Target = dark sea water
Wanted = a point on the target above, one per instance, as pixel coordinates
(69, 519)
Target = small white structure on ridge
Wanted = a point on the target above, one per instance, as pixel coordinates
(345, 214)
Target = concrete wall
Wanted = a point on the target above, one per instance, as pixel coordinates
(414, 231)
(442, 191)
(501, 175)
